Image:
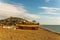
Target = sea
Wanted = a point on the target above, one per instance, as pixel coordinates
(53, 28)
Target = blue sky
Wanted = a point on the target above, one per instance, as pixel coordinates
(44, 11)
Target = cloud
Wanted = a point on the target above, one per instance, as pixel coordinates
(50, 16)
(8, 10)
(49, 20)
(47, 0)
(50, 10)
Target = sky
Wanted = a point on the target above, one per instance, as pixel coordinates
(45, 12)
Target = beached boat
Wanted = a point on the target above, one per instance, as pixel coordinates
(28, 26)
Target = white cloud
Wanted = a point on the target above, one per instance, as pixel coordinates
(50, 10)
(47, 0)
(50, 15)
(7, 10)
(50, 20)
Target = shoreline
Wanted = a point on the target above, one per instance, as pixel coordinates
(40, 34)
(50, 31)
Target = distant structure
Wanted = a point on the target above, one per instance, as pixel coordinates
(19, 23)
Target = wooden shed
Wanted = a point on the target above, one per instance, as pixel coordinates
(28, 26)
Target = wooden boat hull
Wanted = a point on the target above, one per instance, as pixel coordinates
(24, 26)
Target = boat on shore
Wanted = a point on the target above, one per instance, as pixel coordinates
(28, 26)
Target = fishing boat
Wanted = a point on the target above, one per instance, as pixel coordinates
(28, 26)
